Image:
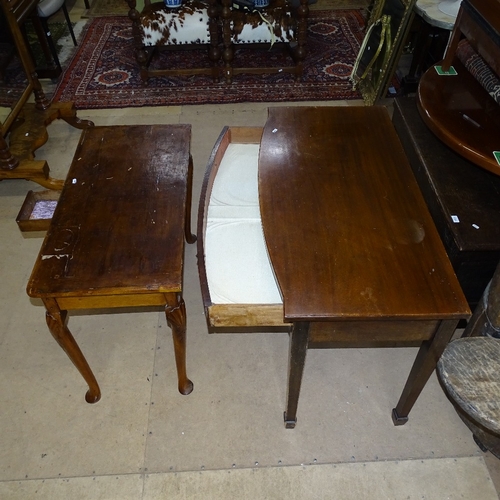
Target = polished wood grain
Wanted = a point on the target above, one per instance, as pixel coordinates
(462, 115)
(117, 235)
(457, 108)
(351, 240)
(348, 231)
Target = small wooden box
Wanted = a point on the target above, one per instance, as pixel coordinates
(37, 210)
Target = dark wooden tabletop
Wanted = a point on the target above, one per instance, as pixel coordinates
(119, 223)
(462, 114)
(348, 232)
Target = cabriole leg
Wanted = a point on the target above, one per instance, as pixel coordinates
(175, 311)
(56, 321)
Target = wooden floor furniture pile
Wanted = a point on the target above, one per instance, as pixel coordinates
(314, 223)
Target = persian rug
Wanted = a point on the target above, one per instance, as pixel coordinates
(104, 73)
(101, 8)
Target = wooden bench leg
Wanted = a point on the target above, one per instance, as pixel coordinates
(175, 311)
(56, 321)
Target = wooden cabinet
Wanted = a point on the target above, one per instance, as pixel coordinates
(464, 200)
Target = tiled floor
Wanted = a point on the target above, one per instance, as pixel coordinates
(144, 440)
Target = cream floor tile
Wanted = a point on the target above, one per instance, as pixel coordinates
(18, 254)
(115, 487)
(348, 396)
(409, 479)
(47, 429)
(225, 420)
(12, 194)
(101, 116)
(433, 479)
(493, 464)
(235, 414)
(134, 116)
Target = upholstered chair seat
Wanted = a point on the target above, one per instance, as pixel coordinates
(187, 24)
(267, 27)
(281, 23)
(192, 24)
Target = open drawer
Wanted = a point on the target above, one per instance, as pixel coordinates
(37, 210)
(237, 281)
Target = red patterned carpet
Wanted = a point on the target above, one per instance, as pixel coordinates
(104, 74)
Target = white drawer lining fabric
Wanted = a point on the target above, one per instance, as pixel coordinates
(236, 259)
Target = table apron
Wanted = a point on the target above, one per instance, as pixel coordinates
(397, 331)
(111, 301)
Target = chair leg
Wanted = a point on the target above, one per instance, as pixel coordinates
(70, 27)
(50, 41)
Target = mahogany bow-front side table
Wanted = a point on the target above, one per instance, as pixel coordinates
(117, 235)
(355, 252)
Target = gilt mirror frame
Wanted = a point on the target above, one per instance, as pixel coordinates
(370, 77)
